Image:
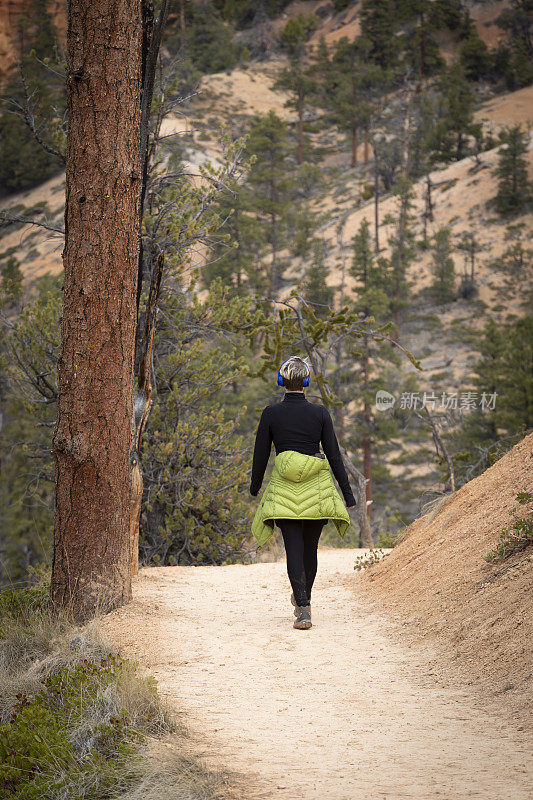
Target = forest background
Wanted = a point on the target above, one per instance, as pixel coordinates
(346, 181)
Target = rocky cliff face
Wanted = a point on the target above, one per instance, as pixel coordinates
(11, 12)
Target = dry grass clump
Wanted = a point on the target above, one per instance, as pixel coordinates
(78, 721)
(174, 776)
(432, 507)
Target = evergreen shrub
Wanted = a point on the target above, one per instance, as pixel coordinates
(518, 535)
(69, 726)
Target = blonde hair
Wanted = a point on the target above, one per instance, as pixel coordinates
(293, 373)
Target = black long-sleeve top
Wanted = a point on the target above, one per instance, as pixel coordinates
(297, 424)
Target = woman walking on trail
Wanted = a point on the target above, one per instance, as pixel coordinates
(300, 496)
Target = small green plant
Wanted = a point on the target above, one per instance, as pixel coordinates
(518, 535)
(387, 539)
(70, 726)
(374, 555)
(367, 191)
(22, 607)
(70, 735)
(17, 603)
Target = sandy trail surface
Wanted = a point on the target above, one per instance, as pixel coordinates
(348, 710)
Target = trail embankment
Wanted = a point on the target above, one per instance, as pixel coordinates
(349, 710)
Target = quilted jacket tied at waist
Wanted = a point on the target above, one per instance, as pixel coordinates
(300, 487)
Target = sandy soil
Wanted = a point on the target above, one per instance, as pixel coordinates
(349, 710)
(437, 582)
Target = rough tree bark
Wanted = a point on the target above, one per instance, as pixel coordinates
(92, 438)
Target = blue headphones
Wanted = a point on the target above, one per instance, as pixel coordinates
(306, 380)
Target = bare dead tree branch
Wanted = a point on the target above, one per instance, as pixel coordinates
(27, 114)
(440, 447)
(8, 218)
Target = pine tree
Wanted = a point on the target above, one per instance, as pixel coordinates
(242, 247)
(297, 31)
(378, 23)
(297, 78)
(236, 247)
(372, 299)
(373, 275)
(443, 285)
(270, 190)
(503, 384)
(244, 13)
(420, 141)
(305, 219)
(455, 117)
(29, 85)
(516, 259)
(11, 289)
(470, 246)
(421, 50)
(93, 433)
(475, 57)
(29, 347)
(350, 96)
(516, 411)
(449, 14)
(514, 186)
(209, 39)
(315, 288)
(515, 58)
(196, 510)
(401, 246)
(322, 72)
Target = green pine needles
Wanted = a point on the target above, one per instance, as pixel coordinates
(514, 187)
(518, 535)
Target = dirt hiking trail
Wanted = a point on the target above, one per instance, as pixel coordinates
(349, 710)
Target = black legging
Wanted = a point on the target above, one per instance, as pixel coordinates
(301, 542)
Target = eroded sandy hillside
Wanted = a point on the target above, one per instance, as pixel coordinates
(436, 581)
(461, 198)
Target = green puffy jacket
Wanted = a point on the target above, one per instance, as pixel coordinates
(300, 487)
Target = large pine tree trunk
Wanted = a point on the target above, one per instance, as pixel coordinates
(92, 439)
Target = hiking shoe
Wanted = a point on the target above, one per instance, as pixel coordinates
(303, 621)
(296, 607)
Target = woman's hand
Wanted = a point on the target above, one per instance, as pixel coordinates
(350, 506)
